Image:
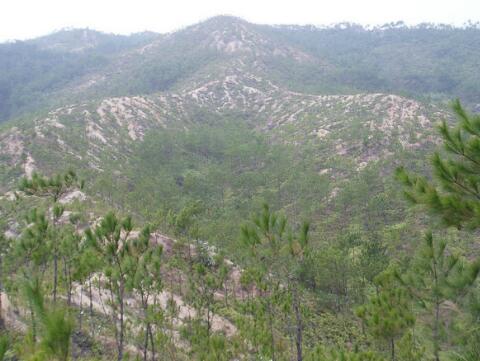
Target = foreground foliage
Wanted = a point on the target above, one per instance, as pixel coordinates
(291, 293)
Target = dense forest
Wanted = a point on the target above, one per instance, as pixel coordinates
(234, 191)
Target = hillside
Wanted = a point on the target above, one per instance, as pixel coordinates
(333, 137)
(76, 64)
(191, 133)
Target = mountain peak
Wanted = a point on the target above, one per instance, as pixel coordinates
(233, 35)
(225, 20)
(224, 24)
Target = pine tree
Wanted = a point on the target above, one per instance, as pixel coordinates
(299, 251)
(264, 239)
(31, 250)
(409, 347)
(111, 240)
(147, 282)
(30, 255)
(438, 276)
(184, 225)
(468, 331)
(374, 258)
(70, 252)
(388, 315)
(52, 188)
(55, 325)
(254, 322)
(279, 254)
(206, 281)
(455, 193)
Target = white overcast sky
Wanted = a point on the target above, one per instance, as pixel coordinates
(22, 19)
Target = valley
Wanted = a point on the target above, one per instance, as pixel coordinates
(233, 191)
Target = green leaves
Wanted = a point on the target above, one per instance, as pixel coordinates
(268, 236)
(56, 325)
(54, 187)
(388, 315)
(4, 345)
(184, 223)
(146, 263)
(130, 264)
(455, 194)
(276, 267)
(32, 249)
(438, 276)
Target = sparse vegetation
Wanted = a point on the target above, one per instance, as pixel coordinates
(230, 217)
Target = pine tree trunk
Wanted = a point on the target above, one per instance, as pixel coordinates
(122, 325)
(145, 346)
(225, 290)
(147, 324)
(152, 341)
(270, 311)
(209, 326)
(55, 276)
(299, 326)
(392, 345)
(70, 287)
(81, 308)
(90, 297)
(34, 325)
(66, 271)
(436, 345)
(255, 341)
(55, 259)
(90, 306)
(115, 320)
(2, 322)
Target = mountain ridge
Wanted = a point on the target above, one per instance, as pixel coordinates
(344, 60)
(192, 134)
(234, 79)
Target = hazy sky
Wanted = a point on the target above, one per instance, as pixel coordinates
(20, 19)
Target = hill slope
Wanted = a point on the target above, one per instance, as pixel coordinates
(193, 132)
(232, 141)
(432, 61)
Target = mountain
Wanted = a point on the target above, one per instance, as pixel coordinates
(74, 64)
(33, 71)
(195, 130)
(87, 40)
(430, 61)
(216, 81)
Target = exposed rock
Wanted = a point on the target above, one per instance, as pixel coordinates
(29, 166)
(72, 196)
